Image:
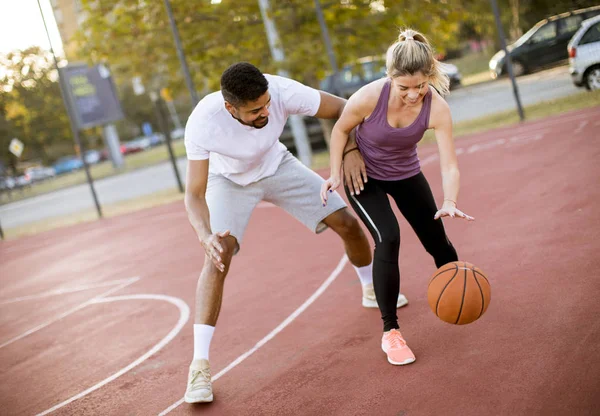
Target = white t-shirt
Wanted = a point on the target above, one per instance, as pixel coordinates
(242, 153)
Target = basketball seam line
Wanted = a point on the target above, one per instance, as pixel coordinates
(443, 271)
(482, 297)
(482, 275)
(437, 305)
(462, 301)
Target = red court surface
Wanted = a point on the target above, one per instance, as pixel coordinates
(97, 318)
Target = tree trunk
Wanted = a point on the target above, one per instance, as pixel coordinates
(515, 29)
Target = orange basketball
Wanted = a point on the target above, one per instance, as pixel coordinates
(459, 293)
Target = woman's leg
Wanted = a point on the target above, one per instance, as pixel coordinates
(373, 207)
(415, 200)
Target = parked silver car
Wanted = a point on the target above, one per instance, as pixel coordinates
(40, 173)
(584, 55)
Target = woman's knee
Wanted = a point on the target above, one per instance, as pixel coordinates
(388, 246)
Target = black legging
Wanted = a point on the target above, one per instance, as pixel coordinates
(414, 199)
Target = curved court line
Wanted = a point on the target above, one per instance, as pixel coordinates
(64, 291)
(581, 126)
(125, 283)
(277, 330)
(184, 314)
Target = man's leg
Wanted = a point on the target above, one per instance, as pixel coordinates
(230, 207)
(356, 244)
(209, 291)
(209, 294)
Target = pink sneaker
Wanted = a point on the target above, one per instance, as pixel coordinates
(396, 349)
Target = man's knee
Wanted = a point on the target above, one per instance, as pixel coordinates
(344, 223)
(230, 247)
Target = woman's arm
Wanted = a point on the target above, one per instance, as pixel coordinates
(352, 116)
(441, 122)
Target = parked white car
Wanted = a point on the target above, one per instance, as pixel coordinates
(584, 55)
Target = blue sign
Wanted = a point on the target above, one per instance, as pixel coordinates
(147, 129)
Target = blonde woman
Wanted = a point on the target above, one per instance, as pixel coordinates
(390, 116)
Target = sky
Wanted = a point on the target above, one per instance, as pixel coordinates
(21, 25)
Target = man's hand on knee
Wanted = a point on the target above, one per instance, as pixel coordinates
(213, 246)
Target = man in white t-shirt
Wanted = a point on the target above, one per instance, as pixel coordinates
(235, 160)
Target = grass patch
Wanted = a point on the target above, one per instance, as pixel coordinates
(473, 68)
(472, 64)
(477, 78)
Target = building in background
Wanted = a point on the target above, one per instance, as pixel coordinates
(69, 15)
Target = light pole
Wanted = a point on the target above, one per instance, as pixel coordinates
(181, 55)
(508, 60)
(163, 125)
(328, 47)
(74, 129)
(296, 122)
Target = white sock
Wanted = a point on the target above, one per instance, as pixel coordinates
(365, 274)
(202, 336)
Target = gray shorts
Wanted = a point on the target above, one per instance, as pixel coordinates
(293, 187)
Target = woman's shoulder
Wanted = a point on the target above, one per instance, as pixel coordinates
(372, 89)
(368, 95)
(437, 101)
(440, 109)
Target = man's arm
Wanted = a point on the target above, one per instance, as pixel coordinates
(195, 202)
(197, 209)
(331, 107)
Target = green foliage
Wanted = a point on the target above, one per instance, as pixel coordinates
(135, 36)
(31, 107)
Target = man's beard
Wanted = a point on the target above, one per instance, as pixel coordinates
(260, 119)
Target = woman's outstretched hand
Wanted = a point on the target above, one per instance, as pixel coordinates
(449, 210)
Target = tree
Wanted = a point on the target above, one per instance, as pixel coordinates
(31, 106)
(134, 36)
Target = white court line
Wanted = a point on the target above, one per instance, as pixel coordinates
(277, 330)
(64, 291)
(537, 127)
(527, 138)
(126, 283)
(429, 158)
(581, 126)
(485, 145)
(184, 314)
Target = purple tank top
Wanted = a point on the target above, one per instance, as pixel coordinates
(390, 153)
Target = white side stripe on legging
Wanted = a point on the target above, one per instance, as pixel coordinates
(367, 216)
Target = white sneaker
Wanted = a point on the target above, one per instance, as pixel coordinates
(199, 387)
(369, 300)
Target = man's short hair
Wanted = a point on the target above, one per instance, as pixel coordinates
(242, 83)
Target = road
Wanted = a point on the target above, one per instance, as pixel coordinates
(494, 97)
(466, 103)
